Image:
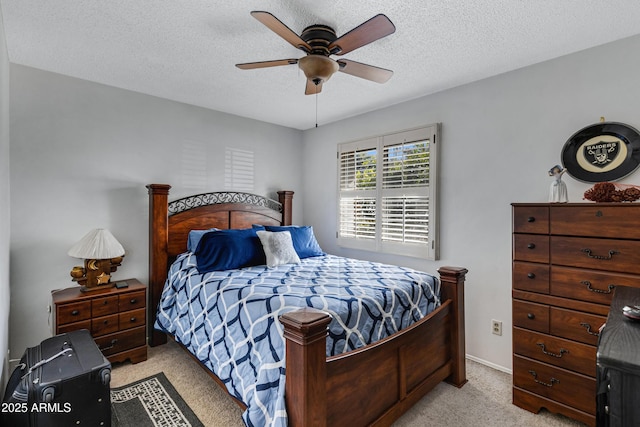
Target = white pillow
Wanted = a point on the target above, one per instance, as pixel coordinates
(278, 248)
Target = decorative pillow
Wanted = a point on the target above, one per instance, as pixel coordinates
(278, 248)
(194, 238)
(229, 249)
(304, 241)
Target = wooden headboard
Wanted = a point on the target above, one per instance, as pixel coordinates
(170, 223)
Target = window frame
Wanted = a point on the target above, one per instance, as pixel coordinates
(428, 250)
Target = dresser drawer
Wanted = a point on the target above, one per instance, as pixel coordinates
(132, 300)
(576, 325)
(555, 351)
(531, 247)
(104, 306)
(132, 319)
(560, 385)
(531, 316)
(588, 285)
(104, 325)
(596, 221)
(599, 254)
(531, 219)
(73, 312)
(121, 341)
(528, 276)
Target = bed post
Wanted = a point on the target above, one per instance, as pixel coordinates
(158, 257)
(452, 280)
(305, 333)
(285, 198)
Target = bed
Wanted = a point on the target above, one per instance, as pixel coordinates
(382, 379)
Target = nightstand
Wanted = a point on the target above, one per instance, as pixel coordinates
(115, 317)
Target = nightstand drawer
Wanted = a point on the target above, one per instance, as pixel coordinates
(531, 247)
(560, 385)
(132, 301)
(576, 325)
(531, 316)
(121, 341)
(73, 312)
(68, 327)
(132, 319)
(104, 306)
(104, 325)
(555, 351)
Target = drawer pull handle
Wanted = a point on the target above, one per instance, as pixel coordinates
(598, 291)
(133, 301)
(531, 219)
(113, 344)
(548, 353)
(531, 316)
(602, 257)
(75, 312)
(549, 384)
(105, 302)
(531, 246)
(588, 326)
(132, 320)
(106, 322)
(531, 275)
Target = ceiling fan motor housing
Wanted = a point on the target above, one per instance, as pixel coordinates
(317, 65)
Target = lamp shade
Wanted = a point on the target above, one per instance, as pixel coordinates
(97, 244)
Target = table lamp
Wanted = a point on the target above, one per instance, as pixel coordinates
(102, 255)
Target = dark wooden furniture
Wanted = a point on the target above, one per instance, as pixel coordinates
(115, 317)
(567, 261)
(618, 361)
(382, 380)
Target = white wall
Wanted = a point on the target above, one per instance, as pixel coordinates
(500, 136)
(4, 205)
(81, 155)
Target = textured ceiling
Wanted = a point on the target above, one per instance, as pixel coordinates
(185, 50)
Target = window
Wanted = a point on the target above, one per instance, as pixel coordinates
(387, 193)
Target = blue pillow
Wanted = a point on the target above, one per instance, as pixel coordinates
(194, 238)
(229, 249)
(304, 241)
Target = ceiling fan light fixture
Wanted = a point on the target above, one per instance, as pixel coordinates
(318, 67)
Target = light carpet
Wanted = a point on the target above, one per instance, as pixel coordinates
(484, 401)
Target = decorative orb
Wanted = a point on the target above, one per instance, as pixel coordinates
(77, 272)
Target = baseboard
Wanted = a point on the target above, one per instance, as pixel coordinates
(490, 364)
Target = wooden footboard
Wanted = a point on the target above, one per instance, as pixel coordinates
(374, 385)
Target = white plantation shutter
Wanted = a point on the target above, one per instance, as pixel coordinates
(387, 193)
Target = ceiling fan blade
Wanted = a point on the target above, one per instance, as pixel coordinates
(375, 28)
(275, 25)
(364, 71)
(265, 64)
(312, 88)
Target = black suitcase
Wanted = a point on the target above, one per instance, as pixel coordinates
(64, 381)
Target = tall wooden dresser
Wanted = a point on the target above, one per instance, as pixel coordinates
(567, 260)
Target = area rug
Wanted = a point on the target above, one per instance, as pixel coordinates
(150, 402)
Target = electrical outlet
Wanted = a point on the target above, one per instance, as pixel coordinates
(496, 327)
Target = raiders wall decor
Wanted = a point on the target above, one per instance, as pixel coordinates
(606, 151)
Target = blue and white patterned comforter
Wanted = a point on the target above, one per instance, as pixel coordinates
(229, 319)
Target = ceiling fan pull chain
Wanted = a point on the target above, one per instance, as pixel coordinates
(316, 108)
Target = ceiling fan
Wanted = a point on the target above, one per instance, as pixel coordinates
(319, 42)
